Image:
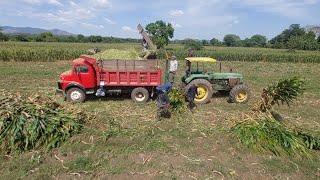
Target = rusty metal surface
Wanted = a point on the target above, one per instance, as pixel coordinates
(146, 37)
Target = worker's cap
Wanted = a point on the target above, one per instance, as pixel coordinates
(173, 57)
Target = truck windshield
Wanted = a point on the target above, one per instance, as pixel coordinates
(82, 69)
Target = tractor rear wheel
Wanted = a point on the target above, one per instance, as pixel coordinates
(240, 94)
(204, 88)
(140, 95)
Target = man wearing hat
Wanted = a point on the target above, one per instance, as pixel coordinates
(173, 67)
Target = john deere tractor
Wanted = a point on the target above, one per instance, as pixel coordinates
(209, 82)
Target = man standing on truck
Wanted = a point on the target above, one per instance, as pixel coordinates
(173, 69)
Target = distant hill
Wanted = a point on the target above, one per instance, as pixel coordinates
(313, 28)
(30, 30)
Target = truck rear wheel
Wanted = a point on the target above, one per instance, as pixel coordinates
(76, 95)
(240, 94)
(205, 90)
(140, 95)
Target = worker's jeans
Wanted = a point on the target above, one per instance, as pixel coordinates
(171, 77)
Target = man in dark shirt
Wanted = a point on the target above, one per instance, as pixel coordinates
(191, 94)
(163, 101)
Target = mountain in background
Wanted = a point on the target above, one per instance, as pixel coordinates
(313, 28)
(30, 30)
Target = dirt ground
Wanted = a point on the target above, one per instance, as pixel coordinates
(187, 146)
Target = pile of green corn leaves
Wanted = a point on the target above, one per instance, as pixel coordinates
(262, 131)
(269, 135)
(35, 122)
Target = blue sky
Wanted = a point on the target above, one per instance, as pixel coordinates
(201, 19)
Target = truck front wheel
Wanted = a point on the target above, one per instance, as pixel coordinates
(140, 95)
(76, 95)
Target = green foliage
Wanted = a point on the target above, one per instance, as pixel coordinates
(193, 44)
(283, 92)
(114, 129)
(255, 41)
(305, 42)
(231, 40)
(177, 100)
(33, 122)
(310, 139)
(46, 37)
(160, 33)
(268, 135)
(295, 38)
(215, 42)
(3, 37)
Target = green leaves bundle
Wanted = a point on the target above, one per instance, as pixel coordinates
(33, 122)
(283, 92)
(177, 100)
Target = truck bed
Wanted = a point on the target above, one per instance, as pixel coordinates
(130, 72)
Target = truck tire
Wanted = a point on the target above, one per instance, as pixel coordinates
(76, 95)
(140, 95)
(240, 94)
(205, 90)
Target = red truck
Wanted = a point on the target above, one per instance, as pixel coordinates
(91, 77)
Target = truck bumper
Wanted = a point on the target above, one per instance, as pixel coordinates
(59, 90)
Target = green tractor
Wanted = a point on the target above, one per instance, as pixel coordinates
(208, 82)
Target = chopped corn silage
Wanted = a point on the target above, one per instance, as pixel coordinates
(118, 54)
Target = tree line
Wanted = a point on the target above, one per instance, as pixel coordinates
(49, 37)
(295, 37)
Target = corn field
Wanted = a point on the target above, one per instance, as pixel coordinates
(34, 51)
(252, 54)
(20, 51)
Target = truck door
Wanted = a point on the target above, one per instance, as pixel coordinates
(86, 76)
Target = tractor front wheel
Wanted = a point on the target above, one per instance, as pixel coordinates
(204, 88)
(240, 94)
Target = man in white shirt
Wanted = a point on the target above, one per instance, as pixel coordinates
(173, 67)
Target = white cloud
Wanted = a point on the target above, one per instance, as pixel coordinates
(32, 1)
(176, 13)
(92, 26)
(127, 29)
(175, 25)
(72, 3)
(288, 8)
(38, 2)
(101, 3)
(55, 2)
(110, 21)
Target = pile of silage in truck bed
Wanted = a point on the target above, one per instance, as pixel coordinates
(118, 54)
(35, 122)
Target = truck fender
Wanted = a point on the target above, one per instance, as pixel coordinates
(74, 85)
